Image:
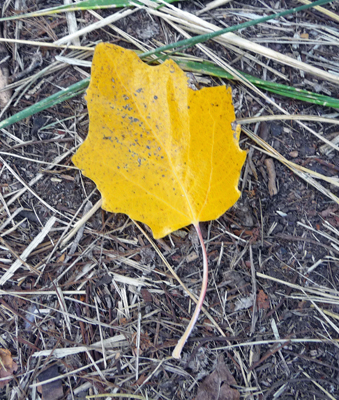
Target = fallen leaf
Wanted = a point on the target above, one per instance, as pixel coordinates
(216, 386)
(157, 150)
(262, 300)
(7, 366)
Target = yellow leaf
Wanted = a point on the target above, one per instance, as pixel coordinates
(157, 150)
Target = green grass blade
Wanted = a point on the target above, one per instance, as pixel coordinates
(83, 5)
(50, 101)
(204, 67)
(313, 98)
(208, 68)
(207, 36)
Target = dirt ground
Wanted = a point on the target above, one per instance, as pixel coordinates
(103, 304)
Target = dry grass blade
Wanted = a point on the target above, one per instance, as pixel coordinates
(37, 240)
(72, 24)
(319, 386)
(324, 292)
(266, 118)
(43, 44)
(100, 24)
(304, 173)
(57, 160)
(213, 4)
(198, 25)
(323, 10)
(186, 17)
(115, 342)
(40, 293)
(63, 307)
(81, 222)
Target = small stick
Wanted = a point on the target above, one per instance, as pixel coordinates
(272, 188)
(254, 288)
(178, 348)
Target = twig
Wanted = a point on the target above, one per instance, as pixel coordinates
(254, 291)
(138, 345)
(100, 332)
(36, 62)
(268, 354)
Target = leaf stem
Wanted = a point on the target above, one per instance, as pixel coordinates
(178, 348)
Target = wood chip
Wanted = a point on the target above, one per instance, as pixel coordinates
(272, 188)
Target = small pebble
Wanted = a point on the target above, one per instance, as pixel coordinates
(293, 154)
